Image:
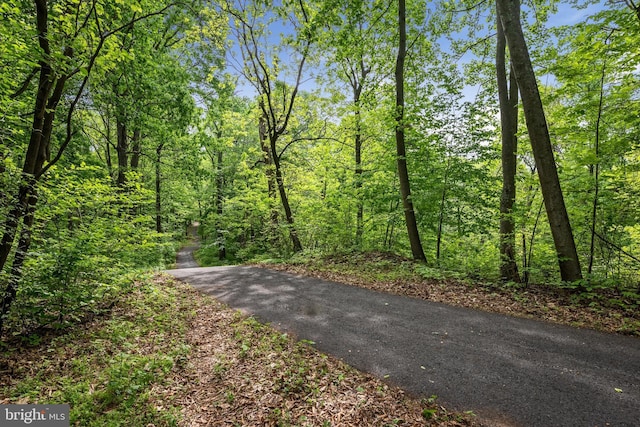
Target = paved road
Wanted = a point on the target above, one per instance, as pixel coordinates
(508, 371)
(184, 257)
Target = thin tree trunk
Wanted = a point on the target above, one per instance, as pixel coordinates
(48, 96)
(358, 171)
(158, 188)
(293, 234)
(508, 11)
(18, 260)
(508, 99)
(403, 174)
(5, 200)
(45, 85)
(596, 175)
(532, 240)
(357, 74)
(443, 199)
(222, 251)
(136, 149)
(122, 149)
(269, 171)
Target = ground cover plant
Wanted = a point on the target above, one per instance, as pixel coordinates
(166, 355)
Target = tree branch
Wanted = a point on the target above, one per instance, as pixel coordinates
(103, 37)
(613, 245)
(25, 84)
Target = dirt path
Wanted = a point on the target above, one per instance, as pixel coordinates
(508, 371)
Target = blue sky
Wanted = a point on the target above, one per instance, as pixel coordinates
(567, 14)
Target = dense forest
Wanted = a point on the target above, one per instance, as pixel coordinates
(495, 141)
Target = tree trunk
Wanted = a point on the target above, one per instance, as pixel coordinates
(48, 96)
(508, 12)
(596, 175)
(158, 188)
(389, 232)
(136, 149)
(45, 85)
(18, 261)
(268, 161)
(222, 251)
(358, 171)
(357, 75)
(443, 199)
(508, 99)
(121, 149)
(403, 174)
(293, 234)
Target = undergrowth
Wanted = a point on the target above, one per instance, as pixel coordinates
(106, 369)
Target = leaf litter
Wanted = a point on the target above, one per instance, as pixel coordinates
(243, 373)
(380, 272)
(227, 369)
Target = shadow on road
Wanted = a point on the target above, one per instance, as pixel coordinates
(509, 371)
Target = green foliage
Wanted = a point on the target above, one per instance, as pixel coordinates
(89, 237)
(164, 80)
(106, 372)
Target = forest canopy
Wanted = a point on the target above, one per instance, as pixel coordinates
(495, 141)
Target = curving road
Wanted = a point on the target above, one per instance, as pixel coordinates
(508, 371)
(184, 257)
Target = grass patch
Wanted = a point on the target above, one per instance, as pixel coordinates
(167, 355)
(106, 369)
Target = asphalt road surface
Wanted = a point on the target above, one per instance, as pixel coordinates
(508, 371)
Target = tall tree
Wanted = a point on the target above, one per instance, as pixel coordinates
(276, 98)
(355, 39)
(403, 173)
(509, 15)
(70, 40)
(508, 100)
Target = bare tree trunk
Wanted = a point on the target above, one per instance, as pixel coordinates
(38, 151)
(18, 261)
(158, 188)
(508, 98)
(45, 86)
(389, 232)
(48, 95)
(293, 234)
(222, 251)
(403, 173)
(443, 199)
(508, 12)
(122, 151)
(357, 74)
(136, 149)
(269, 171)
(358, 172)
(596, 175)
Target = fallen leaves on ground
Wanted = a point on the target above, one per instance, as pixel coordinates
(243, 373)
(535, 301)
(227, 370)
